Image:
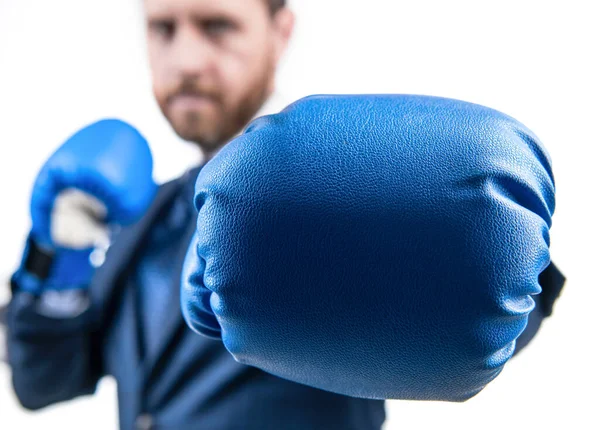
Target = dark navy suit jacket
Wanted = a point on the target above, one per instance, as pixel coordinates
(187, 382)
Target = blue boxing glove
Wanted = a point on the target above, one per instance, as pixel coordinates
(101, 177)
(375, 246)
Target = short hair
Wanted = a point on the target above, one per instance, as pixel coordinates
(275, 5)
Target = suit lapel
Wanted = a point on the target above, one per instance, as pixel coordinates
(174, 321)
(107, 284)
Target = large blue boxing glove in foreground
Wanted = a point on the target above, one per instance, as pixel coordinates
(375, 246)
(101, 176)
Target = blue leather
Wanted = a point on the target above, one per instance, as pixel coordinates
(109, 160)
(383, 246)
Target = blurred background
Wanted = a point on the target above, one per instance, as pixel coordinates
(65, 63)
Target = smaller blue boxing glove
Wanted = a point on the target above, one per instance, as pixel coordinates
(100, 177)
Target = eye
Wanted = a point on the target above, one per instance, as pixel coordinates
(165, 29)
(218, 27)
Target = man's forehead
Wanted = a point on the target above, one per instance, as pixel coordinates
(202, 7)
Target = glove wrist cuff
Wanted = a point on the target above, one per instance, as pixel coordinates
(37, 260)
(56, 269)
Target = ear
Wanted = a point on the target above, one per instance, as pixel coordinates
(283, 23)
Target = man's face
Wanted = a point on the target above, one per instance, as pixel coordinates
(213, 63)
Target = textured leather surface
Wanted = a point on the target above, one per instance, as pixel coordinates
(109, 160)
(379, 246)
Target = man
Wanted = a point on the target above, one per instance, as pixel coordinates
(213, 65)
(155, 358)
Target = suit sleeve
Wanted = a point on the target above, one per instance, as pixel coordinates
(552, 281)
(55, 355)
(55, 358)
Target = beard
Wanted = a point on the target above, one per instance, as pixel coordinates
(211, 118)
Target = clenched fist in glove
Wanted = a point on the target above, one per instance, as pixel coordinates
(376, 246)
(101, 176)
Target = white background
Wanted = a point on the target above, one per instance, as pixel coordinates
(64, 63)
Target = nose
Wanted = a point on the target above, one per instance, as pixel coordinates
(193, 54)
